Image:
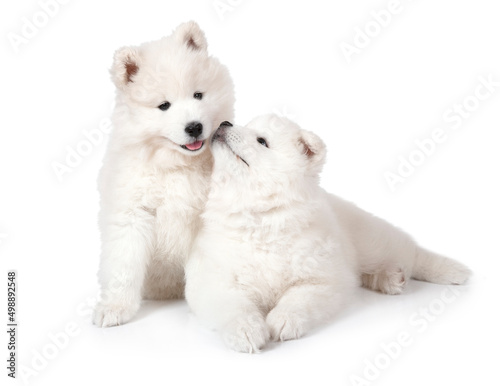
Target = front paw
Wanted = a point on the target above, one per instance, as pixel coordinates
(246, 334)
(284, 325)
(108, 315)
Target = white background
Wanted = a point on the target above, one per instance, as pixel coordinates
(284, 56)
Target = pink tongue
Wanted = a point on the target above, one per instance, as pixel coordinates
(194, 145)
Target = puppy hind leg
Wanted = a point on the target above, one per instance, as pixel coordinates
(384, 253)
(386, 265)
(417, 263)
(390, 281)
(391, 257)
(386, 261)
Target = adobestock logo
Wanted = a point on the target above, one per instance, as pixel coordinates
(224, 6)
(363, 36)
(31, 26)
(391, 350)
(84, 148)
(57, 342)
(453, 117)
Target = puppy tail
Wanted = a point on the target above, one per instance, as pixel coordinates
(435, 268)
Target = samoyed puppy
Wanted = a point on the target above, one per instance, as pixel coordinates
(171, 96)
(277, 255)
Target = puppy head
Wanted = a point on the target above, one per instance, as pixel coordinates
(170, 92)
(270, 157)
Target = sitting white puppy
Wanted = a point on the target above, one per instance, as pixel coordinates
(277, 254)
(171, 96)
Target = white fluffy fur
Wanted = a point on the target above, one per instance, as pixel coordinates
(277, 254)
(153, 190)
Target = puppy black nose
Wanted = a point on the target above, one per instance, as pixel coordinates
(194, 129)
(226, 123)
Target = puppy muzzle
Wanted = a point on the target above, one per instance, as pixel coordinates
(220, 133)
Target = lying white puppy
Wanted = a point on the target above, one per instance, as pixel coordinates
(277, 254)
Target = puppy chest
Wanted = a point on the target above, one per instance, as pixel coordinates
(188, 189)
(176, 202)
(267, 274)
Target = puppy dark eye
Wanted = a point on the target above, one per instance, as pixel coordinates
(262, 141)
(164, 106)
(198, 95)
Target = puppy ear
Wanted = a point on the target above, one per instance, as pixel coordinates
(126, 63)
(313, 149)
(191, 36)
